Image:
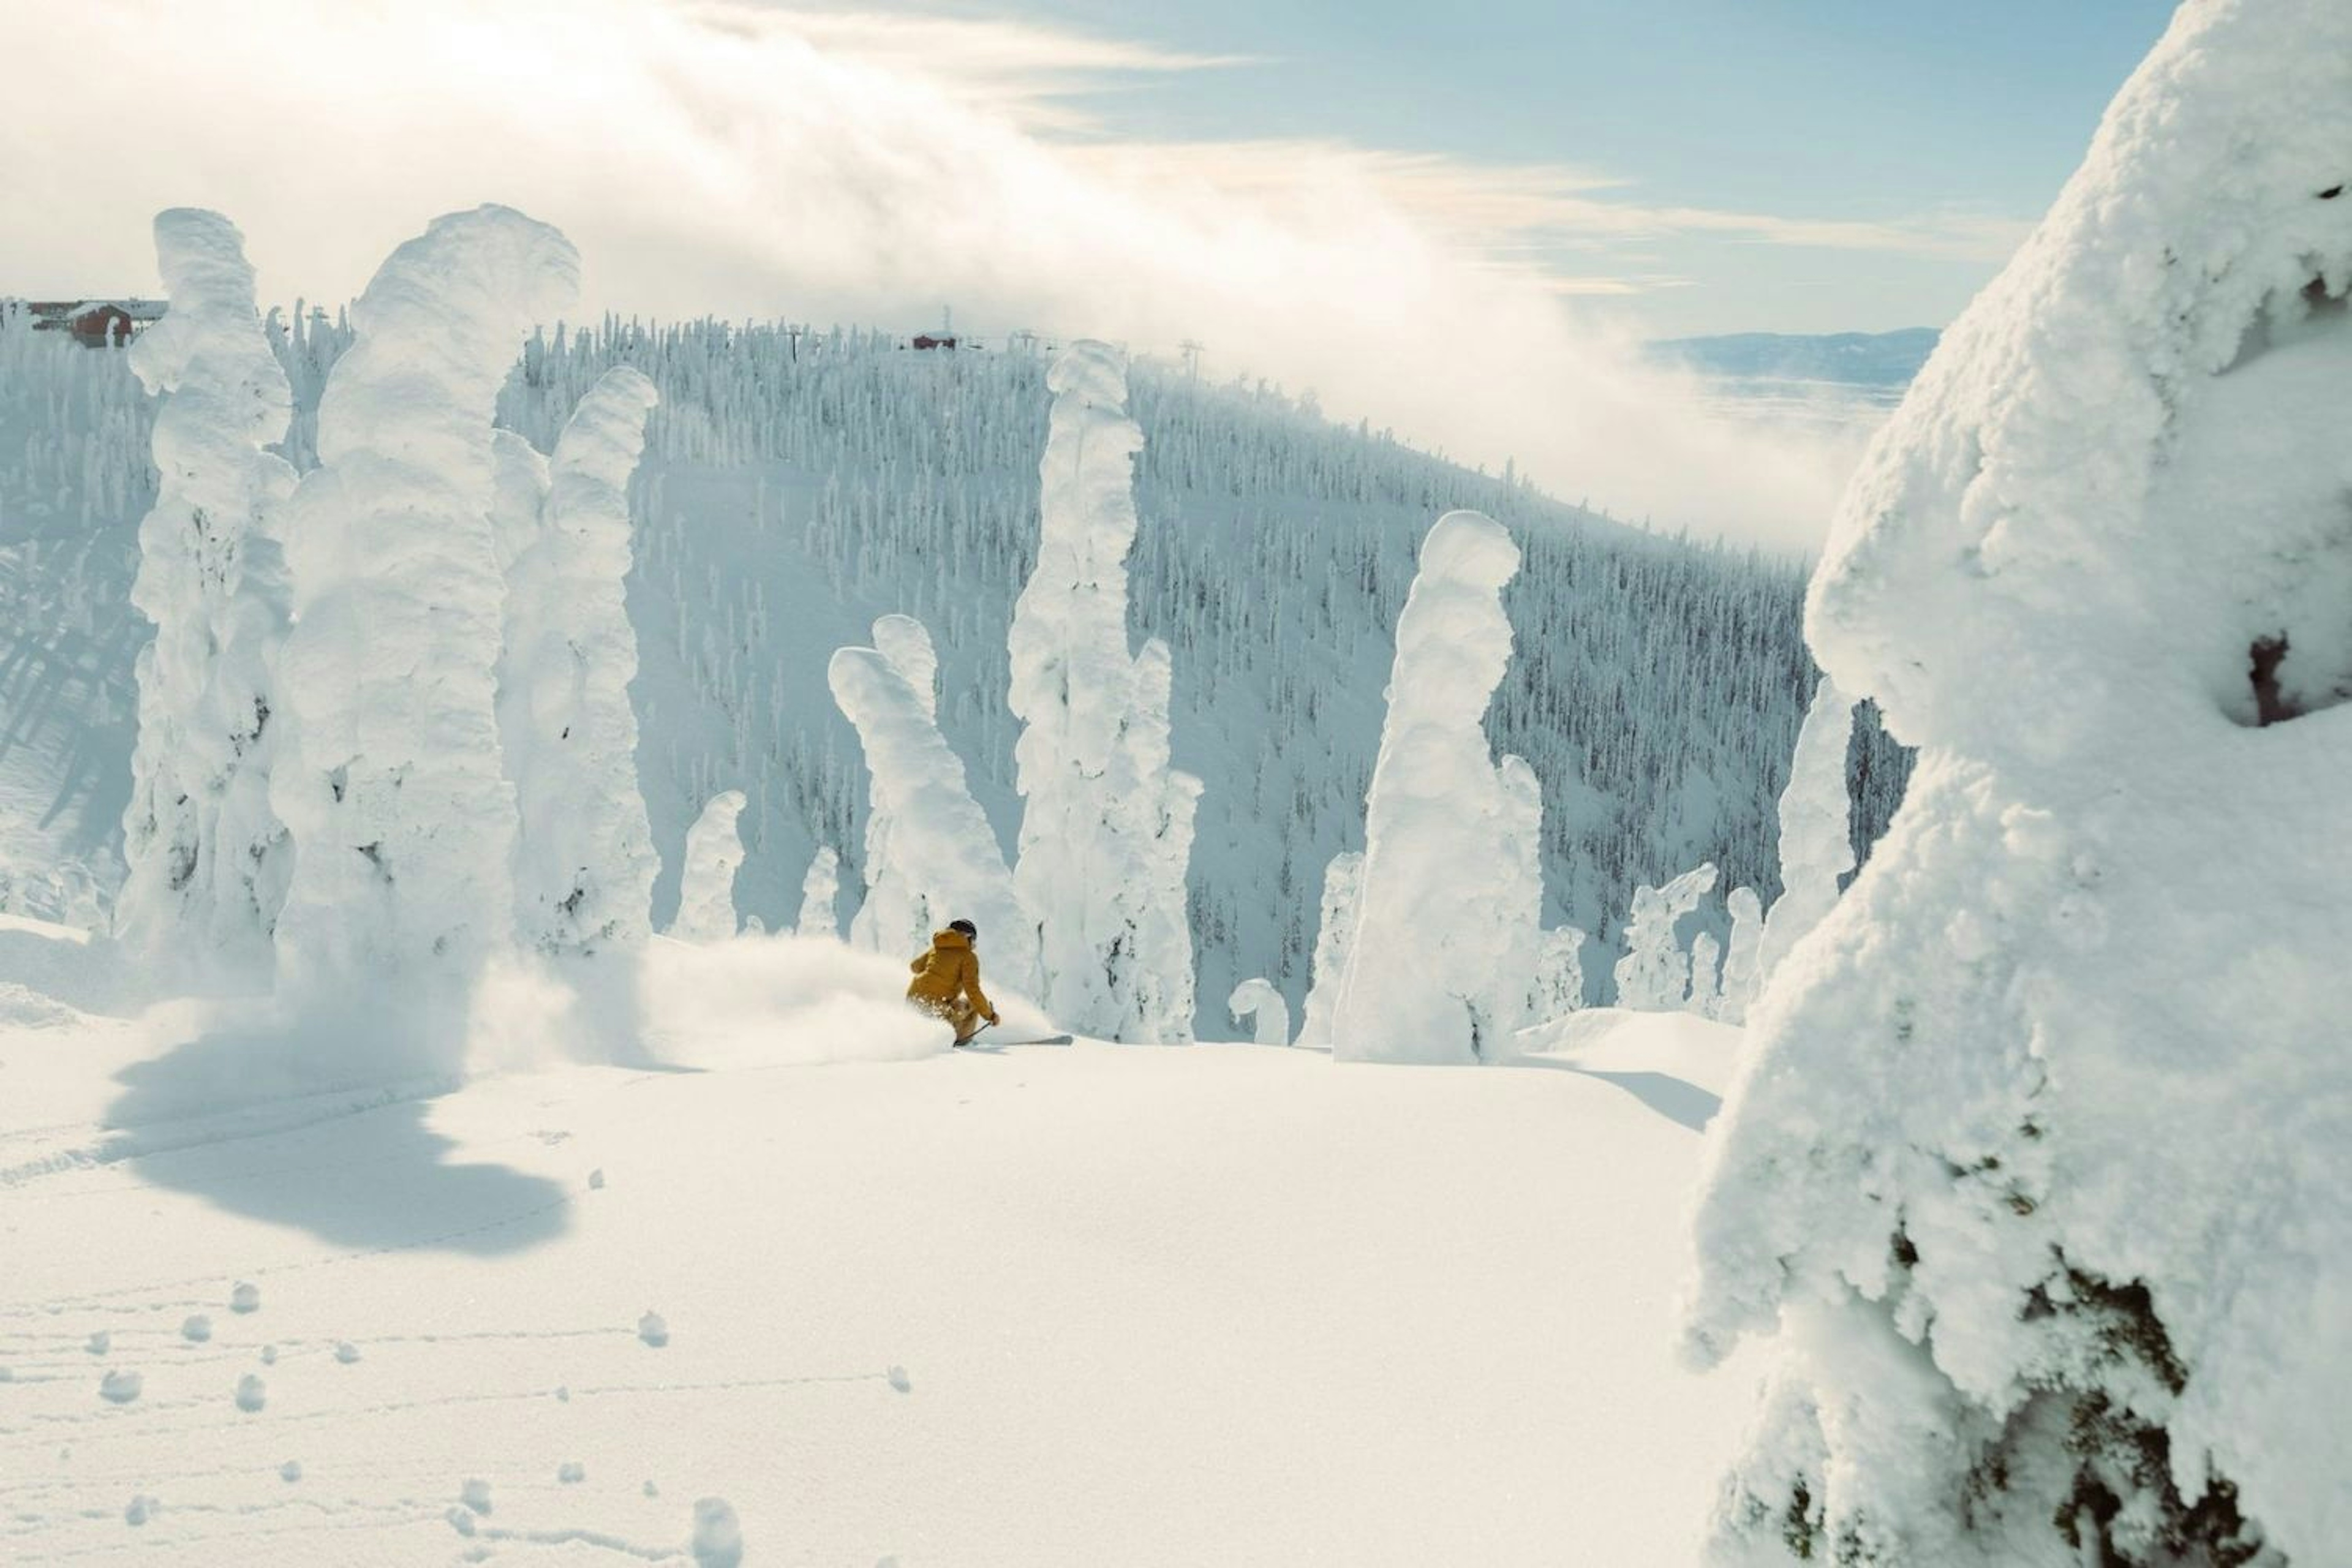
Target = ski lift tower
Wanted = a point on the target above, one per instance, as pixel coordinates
(1192, 350)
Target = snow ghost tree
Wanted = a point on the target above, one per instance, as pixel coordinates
(1258, 999)
(1706, 997)
(1449, 903)
(1558, 976)
(584, 873)
(888, 907)
(1739, 958)
(942, 861)
(2034, 1171)
(1816, 828)
(1654, 976)
(391, 780)
(1107, 829)
(1341, 881)
(706, 888)
(207, 855)
(820, 890)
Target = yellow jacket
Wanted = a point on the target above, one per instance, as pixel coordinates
(949, 972)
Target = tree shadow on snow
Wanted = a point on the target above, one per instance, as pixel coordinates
(245, 1121)
(1677, 1100)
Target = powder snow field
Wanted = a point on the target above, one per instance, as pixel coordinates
(1095, 1304)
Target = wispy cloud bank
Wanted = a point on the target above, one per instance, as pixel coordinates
(731, 158)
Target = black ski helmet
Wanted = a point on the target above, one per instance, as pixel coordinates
(971, 932)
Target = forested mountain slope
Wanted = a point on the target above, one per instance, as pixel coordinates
(798, 485)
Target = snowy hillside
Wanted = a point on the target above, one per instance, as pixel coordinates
(797, 486)
(1076, 1305)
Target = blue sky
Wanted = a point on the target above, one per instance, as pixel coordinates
(1954, 124)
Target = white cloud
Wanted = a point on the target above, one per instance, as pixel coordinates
(738, 160)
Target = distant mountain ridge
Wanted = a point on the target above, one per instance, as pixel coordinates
(1850, 359)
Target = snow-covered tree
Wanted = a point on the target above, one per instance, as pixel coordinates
(1342, 881)
(1816, 828)
(1558, 975)
(1739, 957)
(585, 869)
(207, 855)
(1447, 910)
(1162, 804)
(1654, 976)
(1706, 994)
(2032, 1176)
(820, 890)
(706, 891)
(1257, 999)
(906, 642)
(942, 862)
(390, 779)
(1106, 833)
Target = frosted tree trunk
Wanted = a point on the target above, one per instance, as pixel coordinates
(1437, 969)
(2032, 1181)
(392, 783)
(585, 869)
(1739, 958)
(1654, 976)
(820, 890)
(207, 855)
(1816, 828)
(1258, 999)
(943, 863)
(1342, 881)
(706, 888)
(1105, 832)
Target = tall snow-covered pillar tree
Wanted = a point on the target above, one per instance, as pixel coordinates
(1107, 831)
(1739, 957)
(1342, 880)
(941, 861)
(706, 886)
(1450, 897)
(1816, 828)
(205, 852)
(391, 781)
(2033, 1174)
(585, 869)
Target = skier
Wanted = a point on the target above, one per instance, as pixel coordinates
(946, 982)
